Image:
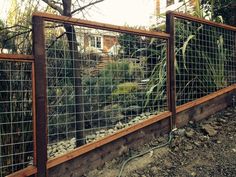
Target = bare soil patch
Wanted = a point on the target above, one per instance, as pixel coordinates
(206, 148)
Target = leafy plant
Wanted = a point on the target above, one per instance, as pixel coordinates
(125, 88)
(201, 57)
(156, 90)
(115, 84)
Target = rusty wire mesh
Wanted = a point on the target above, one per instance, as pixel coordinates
(16, 127)
(205, 59)
(99, 82)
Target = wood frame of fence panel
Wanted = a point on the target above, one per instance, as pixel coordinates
(30, 170)
(204, 99)
(34, 113)
(40, 86)
(17, 57)
(200, 20)
(40, 93)
(178, 15)
(103, 153)
(161, 35)
(171, 79)
(170, 15)
(91, 146)
(102, 26)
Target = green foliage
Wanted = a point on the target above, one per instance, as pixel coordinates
(156, 92)
(16, 116)
(198, 9)
(116, 83)
(216, 72)
(127, 47)
(113, 111)
(61, 90)
(154, 52)
(184, 49)
(122, 71)
(5, 41)
(201, 56)
(128, 94)
(125, 88)
(222, 8)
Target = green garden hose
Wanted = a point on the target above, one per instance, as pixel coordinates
(146, 152)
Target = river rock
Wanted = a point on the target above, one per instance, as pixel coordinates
(119, 125)
(91, 137)
(180, 132)
(188, 147)
(138, 118)
(189, 133)
(209, 129)
(228, 114)
(222, 120)
(110, 131)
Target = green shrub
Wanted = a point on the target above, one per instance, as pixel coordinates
(125, 88)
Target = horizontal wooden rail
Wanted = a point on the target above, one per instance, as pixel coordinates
(102, 26)
(17, 57)
(28, 171)
(200, 20)
(88, 147)
(91, 146)
(205, 99)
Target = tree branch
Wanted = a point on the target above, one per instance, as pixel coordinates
(56, 2)
(85, 6)
(15, 35)
(54, 6)
(14, 26)
(67, 7)
(53, 42)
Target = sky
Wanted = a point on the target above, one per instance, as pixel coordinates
(118, 12)
(4, 6)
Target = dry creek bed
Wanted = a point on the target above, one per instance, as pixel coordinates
(200, 149)
(63, 147)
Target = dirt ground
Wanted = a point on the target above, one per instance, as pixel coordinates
(202, 149)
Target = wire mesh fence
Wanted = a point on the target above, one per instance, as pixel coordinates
(16, 127)
(205, 59)
(100, 82)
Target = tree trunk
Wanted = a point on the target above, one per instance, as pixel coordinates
(74, 53)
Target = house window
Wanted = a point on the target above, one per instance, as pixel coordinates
(170, 2)
(96, 41)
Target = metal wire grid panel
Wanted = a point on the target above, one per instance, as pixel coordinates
(100, 82)
(16, 127)
(205, 59)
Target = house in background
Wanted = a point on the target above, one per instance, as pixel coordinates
(99, 42)
(99, 45)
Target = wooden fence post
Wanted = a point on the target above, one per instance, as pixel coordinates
(41, 95)
(171, 78)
